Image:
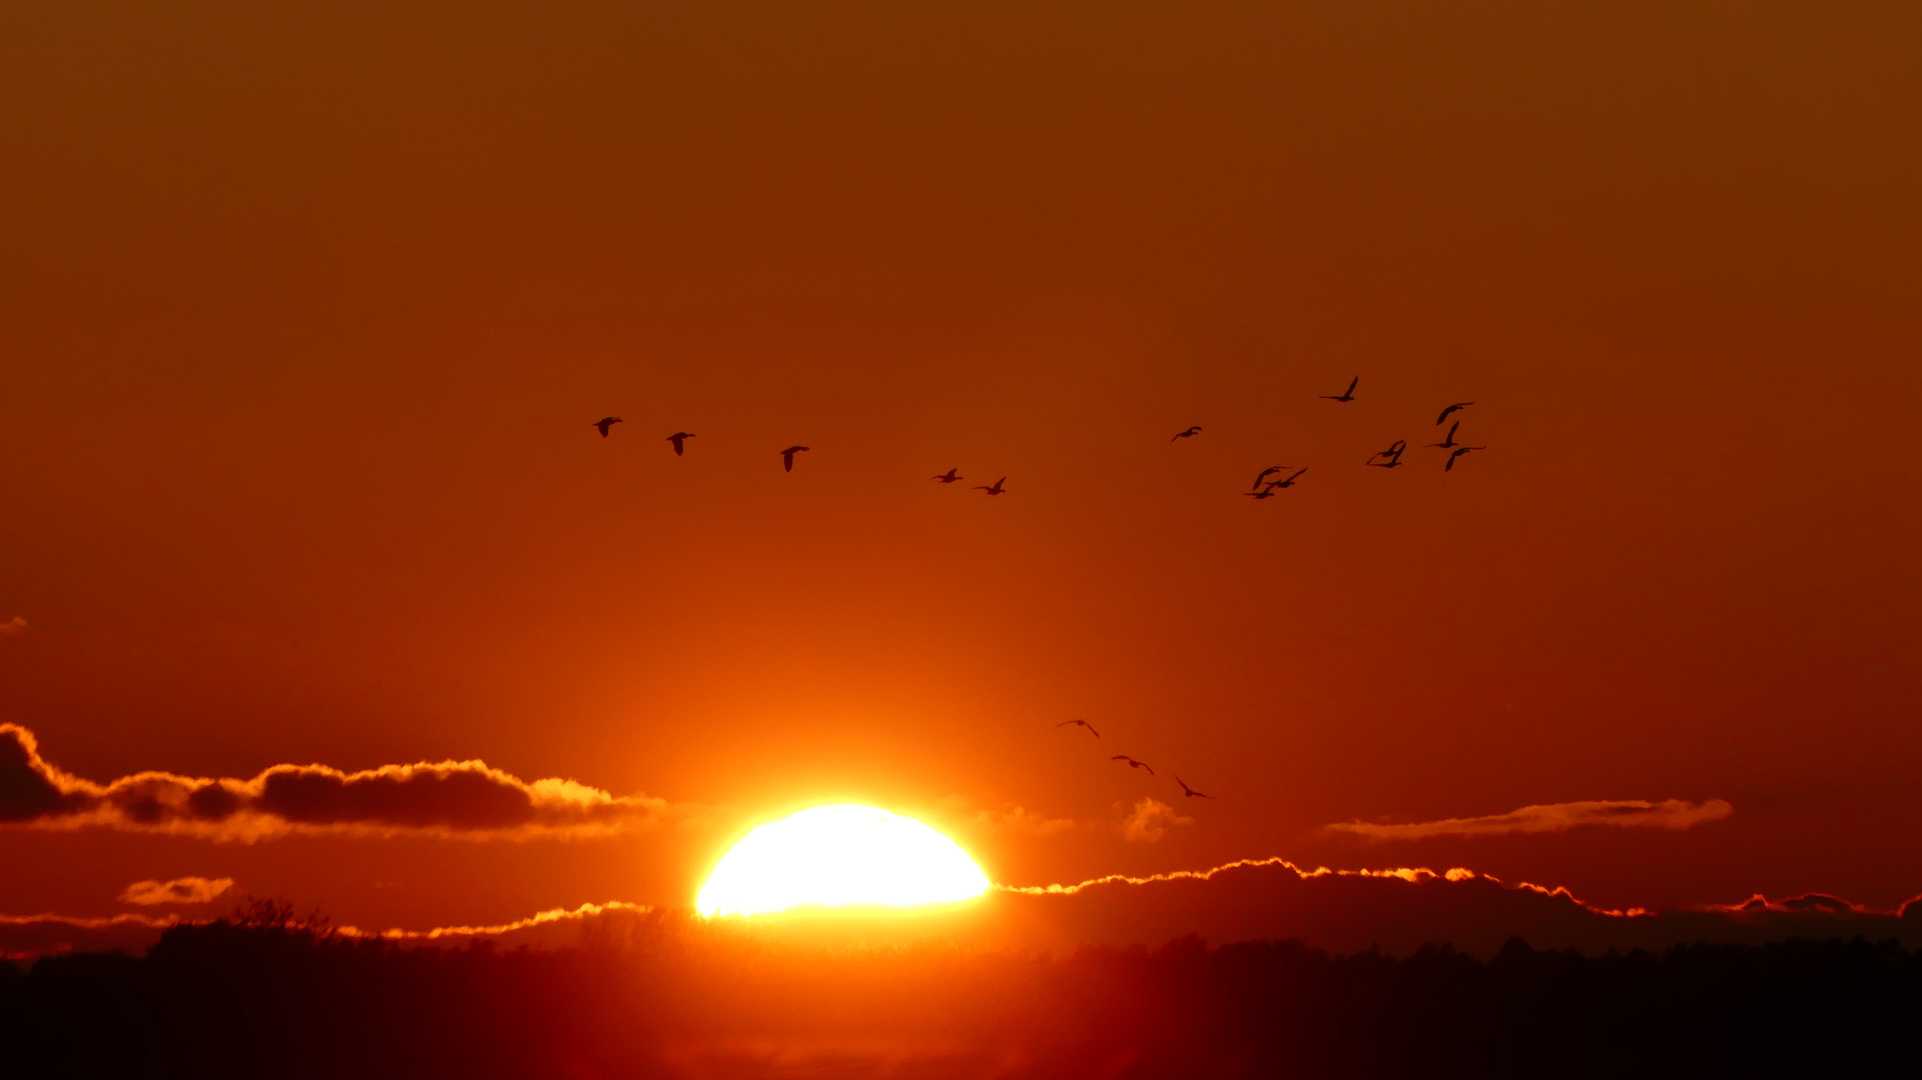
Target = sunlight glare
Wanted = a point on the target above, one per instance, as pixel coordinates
(836, 855)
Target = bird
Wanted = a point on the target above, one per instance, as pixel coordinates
(1265, 493)
(678, 438)
(1081, 723)
(1132, 763)
(787, 457)
(949, 477)
(1450, 440)
(1265, 474)
(1188, 434)
(994, 490)
(1458, 452)
(1393, 454)
(1190, 792)
(604, 423)
(1285, 483)
(1443, 418)
(1345, 395)
(1391, 463)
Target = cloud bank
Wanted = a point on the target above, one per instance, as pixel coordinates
(456, 799)
(1552, 817)
(186, 890)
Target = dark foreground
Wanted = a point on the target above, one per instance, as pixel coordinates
(649, 996)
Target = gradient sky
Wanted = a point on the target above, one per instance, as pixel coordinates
(305, 310)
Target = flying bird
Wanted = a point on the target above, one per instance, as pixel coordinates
(1450, 440)
(1132, 763)
(1265, 474)
(1081, 723)
(1188, 434)
(1391, 463)
(995, 490)
(604, 423)
(787, 457)
(1345, 395)
(949, 477)
(1393, 454)
(1285, 483)
(1443, 418)
(1190, 792)
(1265, 493)
(1458, 452)
(678, 438)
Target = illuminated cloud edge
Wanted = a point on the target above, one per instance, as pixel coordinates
(453, 799)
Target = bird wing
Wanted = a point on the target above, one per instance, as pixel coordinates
(1352, 383)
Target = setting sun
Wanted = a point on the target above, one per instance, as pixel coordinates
(836, 855)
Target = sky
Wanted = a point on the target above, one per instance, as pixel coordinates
(306, 311)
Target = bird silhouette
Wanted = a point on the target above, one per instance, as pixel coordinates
(949, 477)
(678, 438)
(1458, 452)
(1265, 493)
(1188, 434)
(1443, 418)
(787, 457)
(1190, 792)
(1132, 763)
(1345, 395)
(1265, 474)
(1391, 463)
(994, 490)
(1393, 454)
(1287, 482)
(1081, 723)
(1450, 440)
(604, 423)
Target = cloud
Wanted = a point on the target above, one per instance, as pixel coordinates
(1397, 908)
(27, 936)
(1553, 817)
(186, 890)
(464, 799)
(1150, 820)
(1024, 822)
(15, 625)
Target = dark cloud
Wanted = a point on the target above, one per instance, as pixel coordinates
(1397, 909)
(1552, 817)
(453, 798)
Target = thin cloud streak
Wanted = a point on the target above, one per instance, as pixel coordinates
(1552, 817)
(450, 799)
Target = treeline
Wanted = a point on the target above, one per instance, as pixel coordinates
(656, 995)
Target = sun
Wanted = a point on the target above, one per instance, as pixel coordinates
(838, 855)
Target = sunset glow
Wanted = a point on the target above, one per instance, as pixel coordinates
(839, 855)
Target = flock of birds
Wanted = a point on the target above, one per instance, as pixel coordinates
(1135, 763)
(1263, 488)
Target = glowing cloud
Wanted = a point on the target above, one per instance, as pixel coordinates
(839, 855)
(1553, 817)
(186, 890)
(1150, 820)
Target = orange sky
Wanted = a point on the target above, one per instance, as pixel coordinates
(305, 311)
